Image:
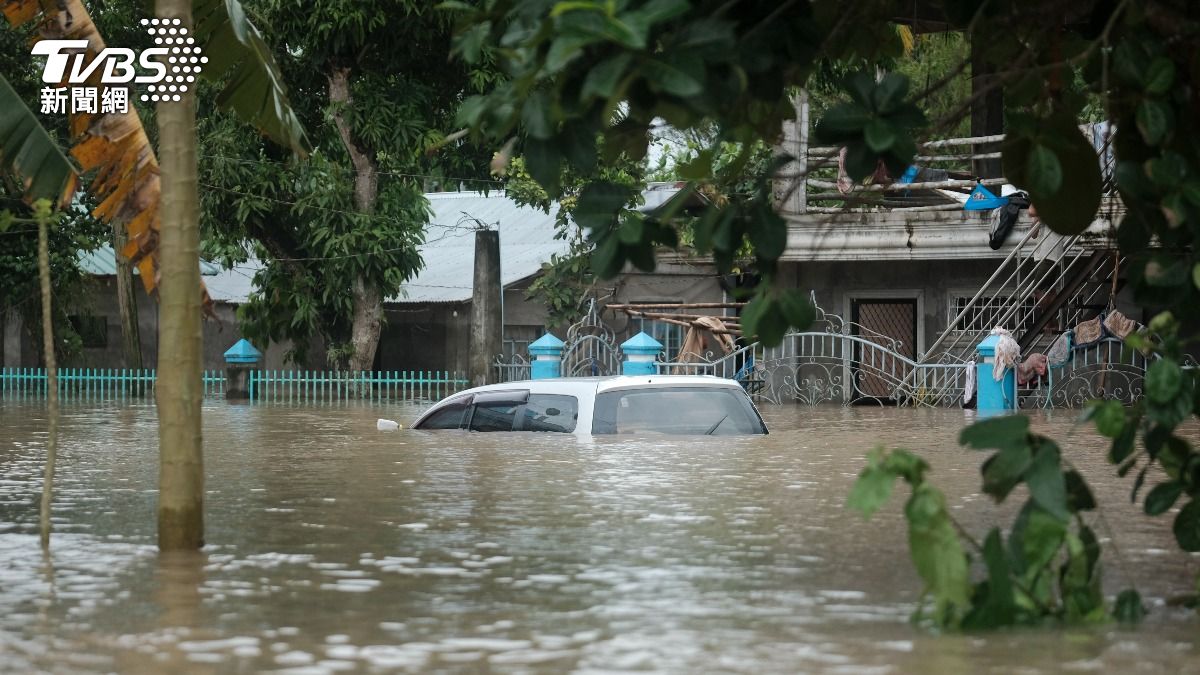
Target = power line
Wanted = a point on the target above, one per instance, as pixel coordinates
(461, 179)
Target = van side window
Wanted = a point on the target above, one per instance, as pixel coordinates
(497, 416)
(449, 417)
(549, 412)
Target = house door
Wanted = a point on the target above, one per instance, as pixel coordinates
(892, 325)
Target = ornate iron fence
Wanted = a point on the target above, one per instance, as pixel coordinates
(837, 362)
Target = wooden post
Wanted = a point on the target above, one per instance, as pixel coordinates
(789, 188)
(987, 111)
(487, 309)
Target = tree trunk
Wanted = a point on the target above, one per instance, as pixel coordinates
(131, 336)
(368, 299)
(181, 461)
(51, 375)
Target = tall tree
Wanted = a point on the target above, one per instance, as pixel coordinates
(377, 90)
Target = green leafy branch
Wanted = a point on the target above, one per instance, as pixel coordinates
(1049, 565)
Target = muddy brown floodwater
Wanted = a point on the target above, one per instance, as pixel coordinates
(334, 547)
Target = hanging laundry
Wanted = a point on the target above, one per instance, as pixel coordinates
(1088, 332)
(1032, 369)
(1119, 325)
(1060, 351)
(1004, 219)
(1008, 353)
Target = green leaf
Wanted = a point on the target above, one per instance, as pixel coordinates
(28, 151)
(1187, 527)
(905, 464)
(1160, 75)
(1045, 172)
(936, 551)
(543, 160)
(1079, 495)
(1196, 275)
(889, 92)
(630, 231)
(1163, 380)
(606, 258)
(681, 77)
(1071, 207)
(879, 135)
(1154, 120)
(599, 203)
(996, 432)
(844, 122)
(1003, 470)
(602, 79)
(797, 309)
(1110, 419)
(1129, 608)
(998, 607)
(1042, 536)
(535, 116)
(860, 161)
(1046, 482)
(1162, 497)
(871, 490)
(239, 58)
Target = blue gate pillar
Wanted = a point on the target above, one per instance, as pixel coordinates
(993, 396)
(546, 354)
(640, 352)
(240, 360)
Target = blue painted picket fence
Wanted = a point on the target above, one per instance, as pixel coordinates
(266, 386)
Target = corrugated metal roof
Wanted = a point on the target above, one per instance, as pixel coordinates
(526, 241)
(233, 285)
(103, 263)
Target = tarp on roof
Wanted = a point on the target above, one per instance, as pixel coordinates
(526, 241)
(103, 263)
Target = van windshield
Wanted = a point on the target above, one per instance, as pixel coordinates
(676, 410)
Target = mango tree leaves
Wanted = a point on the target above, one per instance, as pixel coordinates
(1052, 160)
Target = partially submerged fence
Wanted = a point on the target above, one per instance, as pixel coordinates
(265, 386)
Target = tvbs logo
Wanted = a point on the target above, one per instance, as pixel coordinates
(167, 71)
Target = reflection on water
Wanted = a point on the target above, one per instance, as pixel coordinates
(334, 547)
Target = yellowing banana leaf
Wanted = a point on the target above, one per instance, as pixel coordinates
(113, 145)
(255, 89)
(28, 152)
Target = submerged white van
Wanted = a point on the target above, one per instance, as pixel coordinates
(624, 404)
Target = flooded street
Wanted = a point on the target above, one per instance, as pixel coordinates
(334, 547)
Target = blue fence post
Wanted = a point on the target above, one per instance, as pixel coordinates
(640, 352)
(992, 395)
(241, 360)
(546, 354)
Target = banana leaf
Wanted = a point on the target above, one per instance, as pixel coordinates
(238, 55)
(29, 153)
